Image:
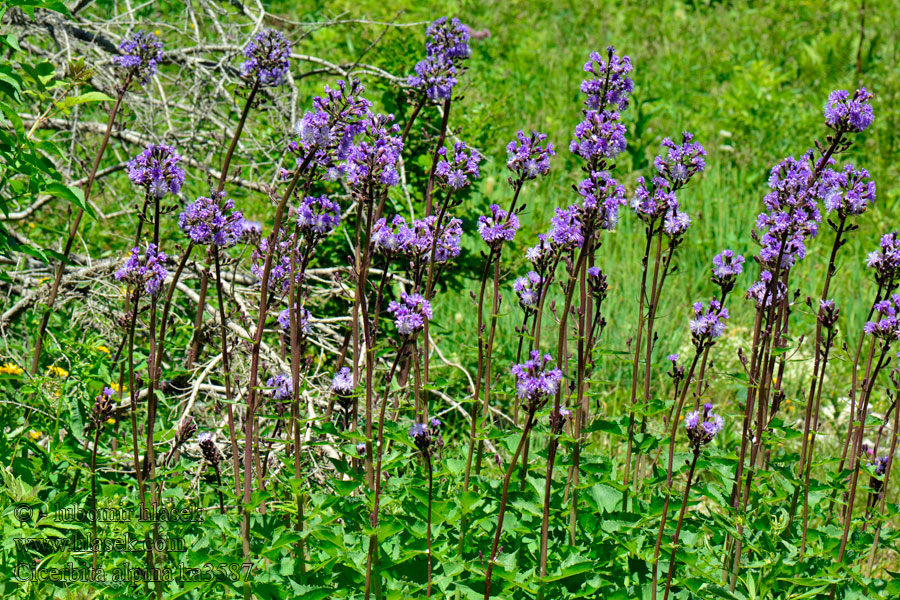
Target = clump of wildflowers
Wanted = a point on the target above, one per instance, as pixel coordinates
(761, 292)
(708, 324)
(702, 427)
(317, 217)
(156, 169)
(435, 76)
(611, 85)
(448, 241)
(449, 38)
(460, 169)
(535, 382)
(144, 271)
(849, 191)
(566, 228)
(280, 275)
(268, 58)
(212, 221)
(499, 227)
(528, 156)
(528, 290)
(843, 113)
(541, 253)
(410, 313)
(447, 47)
(141, 53)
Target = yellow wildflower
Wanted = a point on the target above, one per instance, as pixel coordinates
(35, 435)
(11, 369)
(156, 32)
(111, 421)
(114, 386)
(103, 349)
(55, 371)
(31, 224)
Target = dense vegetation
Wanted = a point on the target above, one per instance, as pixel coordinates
(546, 343)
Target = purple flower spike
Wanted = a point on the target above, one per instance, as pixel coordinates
(702, 427)
(527, 158)
(499, 227)
(528, 289)
(761, 293)
(268, 58)
(849, 191)
(394, 239)
(682, 161)
(141, 53)
(146, 271)
(708, 324)
(601, 198)
(304, 326)
(435, 76)
(448, 239)
(888, 326)
(886, 260)
(280, 276)
(448, 37)
(541, 253)
(208, 221)
(649, 202)
(611, 85)
(843, 113)
(281, 387)
(535, 382)
(373, 159)
(566, 228)
(156, 169)
(726, 267)
(317, 217)
(330, 127)
(599, 136)
(457, 171)
(410, 313)
(342, 384)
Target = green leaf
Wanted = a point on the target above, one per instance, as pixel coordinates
(71, 194)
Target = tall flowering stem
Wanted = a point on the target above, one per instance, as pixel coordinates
(535, 384)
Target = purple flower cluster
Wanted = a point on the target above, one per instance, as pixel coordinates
(281, 387)
(601, 198)
(317, 217)
(145, 271)
(611, 85)
(708, 324)
(415, 240)
(499, 227)
(211, 221)
(460, 170)
(410, 313)
(681, 162)
(304, 327)
(342, 383)
(726, 267)
(535, 382)
(887, 327)
(446, 48)
(843, 113)
(886, 260)
(703, 427)
(268, 58)
(793, 212)
(881, 464)
(528, 289)
(597, 283)
(373, 159)
(651, 201)
(762, 292)
(141, 52)
(330, 127)
(424, 436)
(394, 239)
(541, 253)
(156, 169)
(599, 136)
(280, 275)
(566, 228)
(849, 191)
(527, 157)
